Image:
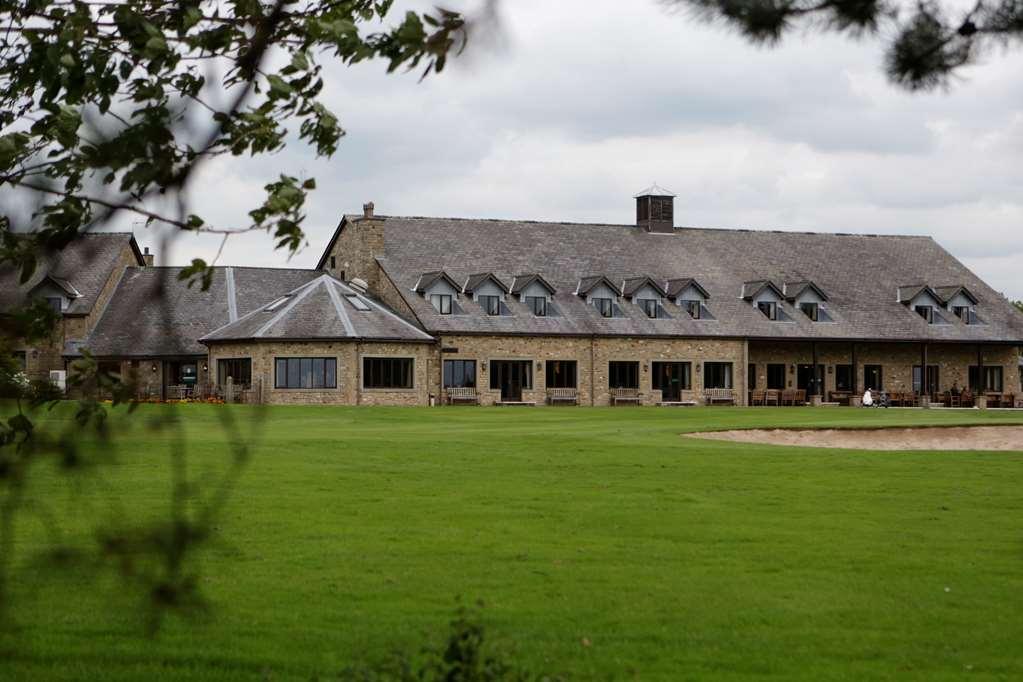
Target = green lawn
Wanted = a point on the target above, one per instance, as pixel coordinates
(353, 531)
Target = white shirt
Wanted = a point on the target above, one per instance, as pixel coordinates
(868, 399)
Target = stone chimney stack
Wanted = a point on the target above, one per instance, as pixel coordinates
(367, 211)
(147, 257)
(655, 210)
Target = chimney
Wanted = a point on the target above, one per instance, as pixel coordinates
(147, 258)
(655, 210)
(367, 211)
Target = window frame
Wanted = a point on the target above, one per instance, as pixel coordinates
(771, 312)
(728, 376)
(550, 370)
(599, 303)
(694, 308)
(645, 304)
(56, 303)
(531, 302)
(364, 373)
(814, 306)
(773, 367)
(615, 371)
(327, 360)
(848, 383)
(222, 375)
(990, 371)
(963, 312)
(867, 371)
(452, 362)
(439, 304)
(926, 312)
(490, 303)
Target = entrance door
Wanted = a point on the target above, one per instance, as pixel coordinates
(804, 379)
(671, 378)
(511, 377)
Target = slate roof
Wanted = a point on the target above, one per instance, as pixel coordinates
(153, 314)
(522, 281)
(476, 280)
(324, 308)
(860, 273)
(677, 286)
(794, 290)
(83, 266)
(631, 285)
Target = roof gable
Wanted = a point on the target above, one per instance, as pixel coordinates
(428, 279)
(588, 284)
(793, 290)
(753, 289)
(474, 282)
(633, 285)
(947, 293)
(520, 283)
(676, 287)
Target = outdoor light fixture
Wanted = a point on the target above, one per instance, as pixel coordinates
(154, 366)
(205, 367)
(792, 369)
(698, 366)
(830, 368)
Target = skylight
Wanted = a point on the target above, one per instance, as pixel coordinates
(357, 302)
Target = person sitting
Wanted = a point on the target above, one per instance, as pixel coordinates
(868, 399)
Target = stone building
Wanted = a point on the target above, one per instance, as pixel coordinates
(409, 310)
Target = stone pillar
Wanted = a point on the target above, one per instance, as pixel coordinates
(229, 390)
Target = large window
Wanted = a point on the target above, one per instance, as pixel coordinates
(769, 309)
(650, 306)
(811, 310)
(873, 377)
(561, 374)
(305, 373)
(491, 304)
(751, 376)
(459, 374)
(605, 306)
(843, 377)
(387, 372)
(538, 304)
(238, 369)
(932, 380)
(623, 374)
(776, 377)
(693, 308)
(441, 303)
(671, 375)
(992, 379)
(717, 375)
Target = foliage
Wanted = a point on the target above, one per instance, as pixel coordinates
(1018, 304)
(464, 656)
(925, 48)
(110, 107)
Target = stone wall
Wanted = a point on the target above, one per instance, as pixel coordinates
(592, 357)
(42, 357)
(349, 354)
(896, 359)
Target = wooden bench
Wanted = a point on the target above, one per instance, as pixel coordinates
(715, 396)
(463, 395)
(626, 395)
(562, 395)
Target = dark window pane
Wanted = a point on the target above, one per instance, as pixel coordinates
(776, 377)
(330, 368)
(387, 373)
(751, 377)
(717, 375)
(623, 374)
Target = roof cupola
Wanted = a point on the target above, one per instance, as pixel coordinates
(655, 210)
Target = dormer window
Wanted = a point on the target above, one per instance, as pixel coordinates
(926, 312)
(441, 303)
(811, 310)
(650, 307)
(605, 306)
(538, 304)
(962, 312)
(693, 308)
(769, 309)
(491, 304)
(55, 302)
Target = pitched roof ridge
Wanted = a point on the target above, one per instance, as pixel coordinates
(335, 298)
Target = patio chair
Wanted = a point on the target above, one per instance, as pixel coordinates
(966, 398)
(772, 397)
(758, 398)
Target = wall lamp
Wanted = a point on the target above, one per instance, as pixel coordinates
(154, 366)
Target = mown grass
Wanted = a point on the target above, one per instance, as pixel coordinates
(354, 530)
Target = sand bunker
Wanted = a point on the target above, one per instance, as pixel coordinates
(951, 438)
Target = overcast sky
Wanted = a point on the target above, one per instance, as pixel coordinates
(589, 101)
